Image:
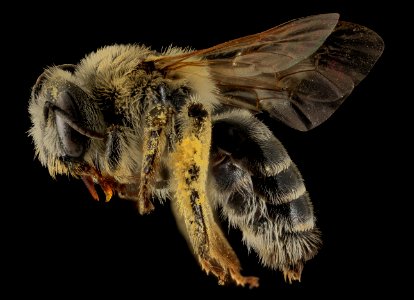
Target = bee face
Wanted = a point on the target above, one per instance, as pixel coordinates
(180, 126)
(65, 121)
(73, 107)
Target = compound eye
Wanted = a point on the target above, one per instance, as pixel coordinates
(73, 142)
(43, 77)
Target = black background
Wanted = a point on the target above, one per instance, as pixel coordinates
(59, 241)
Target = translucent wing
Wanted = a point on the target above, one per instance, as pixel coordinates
(299, 72)
(309, 91)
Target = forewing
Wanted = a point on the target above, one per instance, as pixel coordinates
(273, 50)
(270, 51)
(310, 89)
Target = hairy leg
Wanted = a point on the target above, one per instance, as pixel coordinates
(189, 163)
(153, 145)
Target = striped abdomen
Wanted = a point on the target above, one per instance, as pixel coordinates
(262, 192)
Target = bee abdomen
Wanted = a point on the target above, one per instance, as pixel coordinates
(296, 215)
(262, 192)
(283, 234)
(283, 187)
(283, 249)
(282, 227)
(285, 200)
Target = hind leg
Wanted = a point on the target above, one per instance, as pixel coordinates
(189, 163)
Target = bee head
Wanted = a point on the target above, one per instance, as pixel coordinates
(65, 120)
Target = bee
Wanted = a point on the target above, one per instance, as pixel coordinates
(182, 126)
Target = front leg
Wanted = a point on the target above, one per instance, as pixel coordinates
(189, 167)
(153, 144)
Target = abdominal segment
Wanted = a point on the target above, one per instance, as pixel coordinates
(275, 215)
(261, 191)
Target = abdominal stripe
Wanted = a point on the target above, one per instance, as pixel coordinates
(283, 187)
